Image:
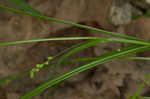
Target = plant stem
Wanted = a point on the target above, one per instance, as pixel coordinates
(67, 22)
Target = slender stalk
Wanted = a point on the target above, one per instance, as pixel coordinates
(77, 38)
(141, 86)
(48, 39)
(138, 58)
(102, 59)
(130, 41)
(67, 22)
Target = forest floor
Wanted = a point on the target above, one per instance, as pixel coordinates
(110, 80)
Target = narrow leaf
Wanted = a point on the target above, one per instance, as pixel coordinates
(138, 97)
(137, 58)
(102, 59)
(11, 77)
(26, 7)
(141, 86)
(68, 22)
(76, 38)
(47, 39)
(78, 48)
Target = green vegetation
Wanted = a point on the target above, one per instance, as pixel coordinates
(137, 45)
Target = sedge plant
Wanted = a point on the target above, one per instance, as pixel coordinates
(136, 45)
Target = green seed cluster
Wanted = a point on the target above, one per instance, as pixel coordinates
(38, 67)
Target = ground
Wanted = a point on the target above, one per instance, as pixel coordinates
(113, 79)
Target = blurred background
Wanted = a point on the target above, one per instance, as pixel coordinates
(111, 80)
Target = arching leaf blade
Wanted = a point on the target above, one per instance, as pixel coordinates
(25, 6)
(102, 59)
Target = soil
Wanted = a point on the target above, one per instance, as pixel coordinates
(112, 80)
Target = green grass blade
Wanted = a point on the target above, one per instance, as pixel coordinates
(15, 76)
(95, 58)
(26, 7)
(47, 39)
(68, 49)
(78, 48)
(137, 58)
(67, 22)
(80, 59)
(11, 77)
(102, 59)
(75, 38)
(141, 86)
(129, 41)
(138, 97)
